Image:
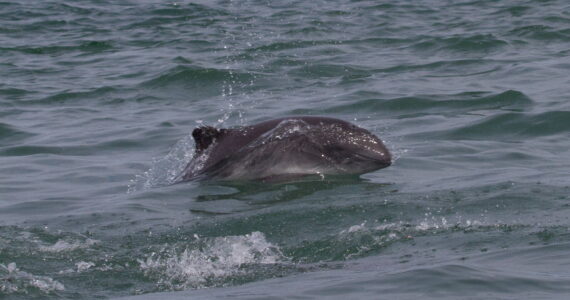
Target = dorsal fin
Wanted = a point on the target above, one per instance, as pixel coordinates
(204, 136)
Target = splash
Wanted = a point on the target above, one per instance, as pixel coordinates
(210, 262)
(165, 171)
(195, 165)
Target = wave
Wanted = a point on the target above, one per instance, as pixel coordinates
(370, 278)
(481, 43)
(364, 240)
(541, 33)
(447, 68)
(16, 277)
(456, 279)
(196, 77)
(67, 96)
(198, 14)
(14, 93)
(83, 46)
(9, 134)
(434, 104)
(221, 251)
(514, 126)
(514, 11)
(187, 263)
(113, 145)
(295, 44)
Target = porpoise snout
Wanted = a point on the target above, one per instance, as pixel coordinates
(380, 158)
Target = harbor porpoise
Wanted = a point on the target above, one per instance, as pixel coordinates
(285, 147)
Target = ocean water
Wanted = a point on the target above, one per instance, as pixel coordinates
(98, 99)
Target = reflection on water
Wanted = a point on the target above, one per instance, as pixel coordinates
(257, 194)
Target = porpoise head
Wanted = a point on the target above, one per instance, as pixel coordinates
(353, 150)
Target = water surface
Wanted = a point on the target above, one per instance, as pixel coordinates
(98, 99)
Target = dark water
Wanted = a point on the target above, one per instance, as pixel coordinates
(97, 100)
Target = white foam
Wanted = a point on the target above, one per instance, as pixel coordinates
(403, 228)
(385, 233)
(63, 245)
(210, 262)
(83, 266)
(13, 280)
(354, 228)
(377, 236)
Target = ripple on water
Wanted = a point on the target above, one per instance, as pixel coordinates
(71, 97)
(433, 104)
(10, 135)
(84, 47)
(514, 126)
(466, 45)
(181, 75)
(542, 32)
(198, 83)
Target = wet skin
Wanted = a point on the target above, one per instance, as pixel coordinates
(285, 147)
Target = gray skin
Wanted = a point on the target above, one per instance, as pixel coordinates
(285, 148)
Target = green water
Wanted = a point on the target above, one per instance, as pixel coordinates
(98, 99)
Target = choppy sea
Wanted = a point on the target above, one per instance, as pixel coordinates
(98, 99)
